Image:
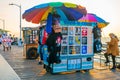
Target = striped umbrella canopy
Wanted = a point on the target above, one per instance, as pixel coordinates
(89, 17)
(67, 11)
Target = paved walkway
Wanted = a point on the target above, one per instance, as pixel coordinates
(30, 70)
(6, 72)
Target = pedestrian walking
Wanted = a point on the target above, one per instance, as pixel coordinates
(0, 40)
(5, 42)
(9, 41)
(112, 49)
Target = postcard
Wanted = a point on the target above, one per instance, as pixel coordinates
(77, 30)
(64, 30)
(71, 30)
(64, 50)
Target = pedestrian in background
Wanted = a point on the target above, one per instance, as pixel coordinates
(0, 40)
(5, 42)
(9, 41)
(112, 49)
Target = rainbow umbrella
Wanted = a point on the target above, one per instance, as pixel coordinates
(67, 11)
(89, 17)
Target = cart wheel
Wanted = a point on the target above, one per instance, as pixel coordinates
(51, 71)
(47, 68)
(87, 70)
(32, 53)
(44, 66)
(78, 71)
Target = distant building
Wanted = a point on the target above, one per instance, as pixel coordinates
(3, 31)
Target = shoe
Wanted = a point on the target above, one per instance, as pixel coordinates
(113, 68)
(107, 61)
(40, 63)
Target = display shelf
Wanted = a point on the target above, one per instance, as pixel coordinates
(77, 40)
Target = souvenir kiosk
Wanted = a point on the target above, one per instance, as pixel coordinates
(77, 48)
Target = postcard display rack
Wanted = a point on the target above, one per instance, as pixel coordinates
(77, 47)
(29, 34)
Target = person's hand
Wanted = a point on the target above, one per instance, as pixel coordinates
(107, 43)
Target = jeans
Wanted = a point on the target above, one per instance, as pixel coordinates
(113, 59)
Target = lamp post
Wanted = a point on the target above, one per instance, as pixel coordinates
(3, 23)
(19, 6)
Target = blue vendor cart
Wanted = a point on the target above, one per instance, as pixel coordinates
(76, 48)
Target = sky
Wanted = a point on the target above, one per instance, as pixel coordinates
(106, 9)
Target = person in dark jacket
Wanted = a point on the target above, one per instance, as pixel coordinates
(54, 45)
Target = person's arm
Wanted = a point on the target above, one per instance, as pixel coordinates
(112, 42)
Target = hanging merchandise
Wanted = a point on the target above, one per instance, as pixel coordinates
(97, 32)
(45, 35)
(54, 47)
(97, 46)
(49, 23)
(42, 41)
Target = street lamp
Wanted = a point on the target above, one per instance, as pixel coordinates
(3, 23)
(19, 6)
